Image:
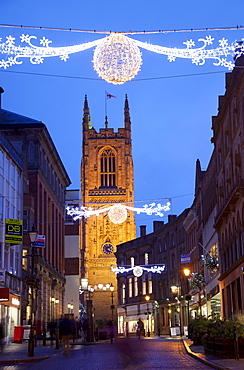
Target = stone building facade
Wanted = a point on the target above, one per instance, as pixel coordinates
(72, 261)
(214, 232)
(166, 306)
(44, 201)
(214, 224)
(228, 139)
(107, 178)
(11, 208)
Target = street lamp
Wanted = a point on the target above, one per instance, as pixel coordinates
(177, 317)
(147, 298)
(187, 273)
(175, 289)
(112, 300)
(70, 307)
(33, 236)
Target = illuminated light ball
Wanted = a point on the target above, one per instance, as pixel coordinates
(137, 271)
(117, 59)
(117, 214)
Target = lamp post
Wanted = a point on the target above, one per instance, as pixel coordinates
(177, 310)
(187, 273)
(33, 236)
(52, 307)
(112, 300)
(147, 298)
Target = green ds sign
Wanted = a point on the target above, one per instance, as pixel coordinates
(13, 231)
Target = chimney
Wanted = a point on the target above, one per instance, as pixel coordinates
(171, 218)
(143, 230)
(157, 225)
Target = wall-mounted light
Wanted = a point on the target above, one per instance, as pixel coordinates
(174, 289)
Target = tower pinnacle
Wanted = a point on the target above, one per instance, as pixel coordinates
(127, 121)
(86, 115)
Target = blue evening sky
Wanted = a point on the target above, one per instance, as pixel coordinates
(171, 115)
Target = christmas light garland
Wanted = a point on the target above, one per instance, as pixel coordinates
(117, 57)
(138, 270)
(92, 288)
(117, 213)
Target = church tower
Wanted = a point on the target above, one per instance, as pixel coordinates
(107, 178)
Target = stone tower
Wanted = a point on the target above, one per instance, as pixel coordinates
(107, 178)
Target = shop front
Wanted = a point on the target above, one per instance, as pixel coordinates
(9, 312)
(128, 317)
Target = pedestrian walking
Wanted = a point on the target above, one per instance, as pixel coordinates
(140, 328)
(66, 330)
(85, 326)
(111, 330)
(52, 327)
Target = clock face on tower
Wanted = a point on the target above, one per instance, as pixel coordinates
(108, 248)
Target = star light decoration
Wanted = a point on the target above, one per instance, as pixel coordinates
(138, 270)
(117, 57)
(117, 213)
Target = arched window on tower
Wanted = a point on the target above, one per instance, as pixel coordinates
(107, 166)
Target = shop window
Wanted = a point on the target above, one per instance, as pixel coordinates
(16, 268)
(24, 259)
(214, 251)
(135, 286)
(130, 288)
(144, 287)
(6, 256)
(150, 287)
(123, 293)
(146, 258)
(11, 261)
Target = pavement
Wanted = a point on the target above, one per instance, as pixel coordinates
(215, 362)
(14, 353)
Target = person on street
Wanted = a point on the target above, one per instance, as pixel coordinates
(66, 331)
(111, 330)
(140, 328)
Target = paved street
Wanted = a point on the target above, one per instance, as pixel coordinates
(131, 353)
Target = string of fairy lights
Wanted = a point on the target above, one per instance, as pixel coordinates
(117, 57)
(117, 213)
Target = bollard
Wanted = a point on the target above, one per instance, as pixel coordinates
(44, 335)
(57, 338)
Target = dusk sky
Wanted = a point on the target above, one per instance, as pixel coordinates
(171, 103)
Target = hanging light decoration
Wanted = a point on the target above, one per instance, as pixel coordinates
(138, 270)
(117, 59)
(117, 213)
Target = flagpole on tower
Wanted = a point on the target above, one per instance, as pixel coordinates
(107, 96)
